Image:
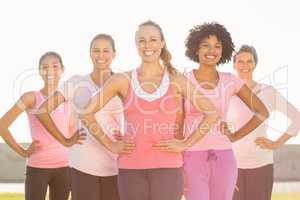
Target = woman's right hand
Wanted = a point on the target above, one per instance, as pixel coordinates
(33, 147)
(227, 132)
(123, 146)
(77, 138)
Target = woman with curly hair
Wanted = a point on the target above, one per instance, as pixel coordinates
(210, 166)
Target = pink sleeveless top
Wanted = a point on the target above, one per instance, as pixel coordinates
(51, 154)
(149, 118)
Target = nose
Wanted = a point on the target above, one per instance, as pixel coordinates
(147, 44)
(100, 54)
(211, 49)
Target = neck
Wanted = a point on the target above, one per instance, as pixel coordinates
(207, 71)
(250, 82)
(49, 88)
(152, 68)
(100, 76)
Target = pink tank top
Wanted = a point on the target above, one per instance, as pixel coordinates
(149, 118)
(51, 154)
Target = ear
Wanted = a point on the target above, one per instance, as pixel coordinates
(114, 55)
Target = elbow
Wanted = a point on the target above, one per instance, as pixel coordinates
(84, 118)
(264, 114)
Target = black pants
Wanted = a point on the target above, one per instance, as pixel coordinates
(151, 184)
(88, 187)
(38, 179)
(254, 184)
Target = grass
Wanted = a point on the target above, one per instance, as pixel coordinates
(290, 196)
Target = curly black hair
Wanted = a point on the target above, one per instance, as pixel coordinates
(200, 32)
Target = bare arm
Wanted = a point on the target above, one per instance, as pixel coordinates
(26, 101)
(43, 115)
(257, 107)
(111, 88)
(202, 104)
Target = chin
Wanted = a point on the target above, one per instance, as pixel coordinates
(244, 76)
(211, 64)
(149, 60)
(102, 67)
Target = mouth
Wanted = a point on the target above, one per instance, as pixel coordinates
(51, 77)
(210, 57)
(148, 53)
(100, 61)
(245, 70)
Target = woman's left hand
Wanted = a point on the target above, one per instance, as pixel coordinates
(266, 143)
(172, 145)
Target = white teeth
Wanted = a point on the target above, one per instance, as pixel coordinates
(51, 77)
(100, 61)
(149, 53)
(245, 70)
(211, 57)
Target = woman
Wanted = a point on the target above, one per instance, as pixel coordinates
(254, 152)
(210, 165)
(152, 95)
(93, 169)
(47, 160)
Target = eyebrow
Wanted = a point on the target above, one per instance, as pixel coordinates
(155, 37)
(97, 48)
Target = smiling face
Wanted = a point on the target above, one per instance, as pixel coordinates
(244, 65)
(149, 43)
(51, 69)
(210, 51)
(102, 53)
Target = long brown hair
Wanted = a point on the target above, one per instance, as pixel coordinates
(165, 55)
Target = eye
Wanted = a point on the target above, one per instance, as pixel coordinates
(141, 40)
(218, 46)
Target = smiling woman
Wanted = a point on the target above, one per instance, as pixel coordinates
(209, 45)
(255, 152)
(47, 160)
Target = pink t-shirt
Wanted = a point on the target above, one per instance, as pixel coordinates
(149, 118)
(52, 154)
(220, 96)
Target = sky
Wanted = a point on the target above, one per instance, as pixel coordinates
(30, 28)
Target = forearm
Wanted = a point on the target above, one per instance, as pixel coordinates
(51, 127)
(90, 122)
(250, 126)
(203, 128)
(8, 138)
(283, 139)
